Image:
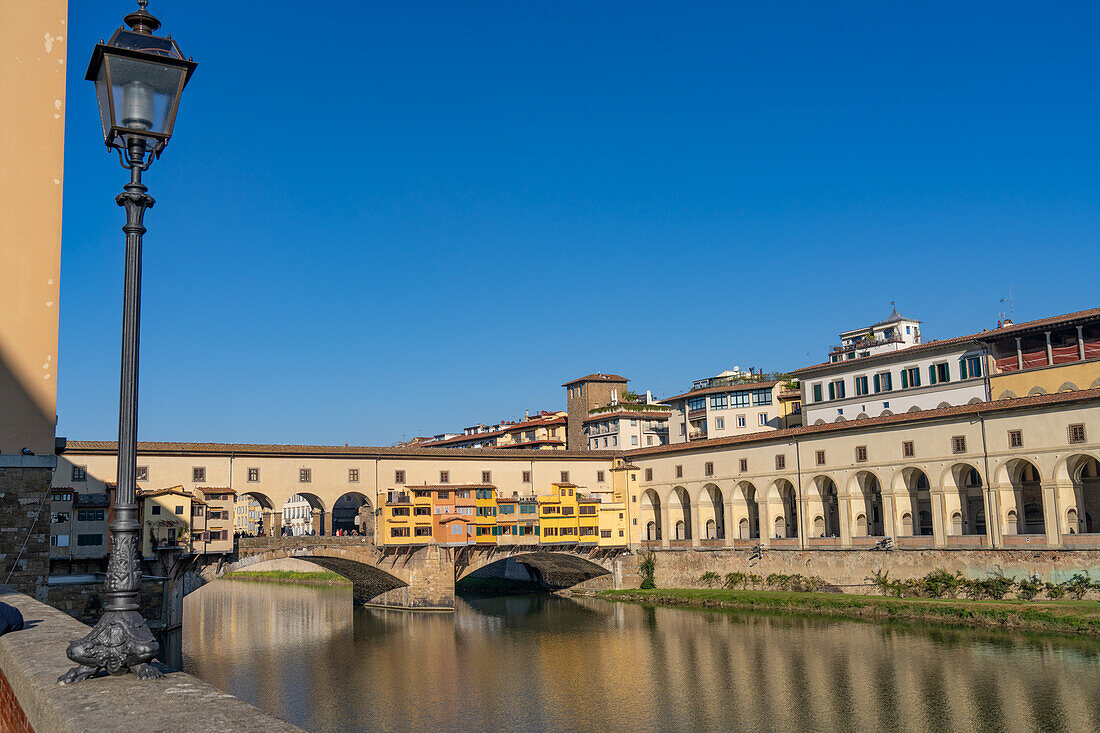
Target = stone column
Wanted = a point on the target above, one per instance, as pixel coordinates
(844, 519)
(1050, 351)
(1052, 520)
(269, 526)
(317, 518)
(695, 529)
(1019, 355)
(666, 524)
(889, 515)
(276, 524)
(1080, 343)
(939, 523)
(992, 515)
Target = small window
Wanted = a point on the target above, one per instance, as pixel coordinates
(740, 421)
(253, 475)
(399, 477)
(861, 386)
(80, 473)
(565, 477)
(486, 477)
(353, 475)
(910, 377)
(907, 449)
(861, 453)
(599, 477)
(763, 418)
(526, 477)
(817, 393)
(1015, 439)
(719, 423)
(634, 440)
(780, 463)
(444, 477)
(156, 509)
(142, 473)
(821, 458)
(179, 509)
(679, 472)
(958, 444)
(1076, 433)
(198, 473)
(744, 465)
(649, 474)
(708, 468)
(305, 475)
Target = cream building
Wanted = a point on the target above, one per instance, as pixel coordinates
(732, 403)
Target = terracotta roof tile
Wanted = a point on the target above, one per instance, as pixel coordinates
(628, 413)
(597, 377)
(78, 447)
(729, 388)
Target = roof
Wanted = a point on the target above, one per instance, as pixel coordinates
(540, 421)
(894, 317)
(176, 490)
(216, 490)
(84, 447)
(984, 336)
(448, 487)
(598, 377)
(788, 434)
(727, 388)
(663, 414)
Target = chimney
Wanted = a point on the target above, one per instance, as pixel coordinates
(1007, 322)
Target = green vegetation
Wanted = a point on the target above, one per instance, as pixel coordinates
(647, 566)
(289, 576)
(941, 584)
(634, 406)
(1077, 617)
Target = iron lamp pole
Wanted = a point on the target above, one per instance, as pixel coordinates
(139, 79)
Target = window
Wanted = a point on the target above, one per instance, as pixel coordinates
(444, 477)
(89, 540)
(80, 473)
(883, 382)
(938, 373)
(305, 475)
(1076, 433)
(744, 465)
(719, 423)
(970, 367)
(708, 468)
(780, 463)
(740, 399)
(198, 473)
(605, 533)
(179, 509)
(526, 477)
(817, 393)
(253, 475)
(820, 458)
(422, 531)
(634, 440)
(679, 472)
(399, 477)
(1015, 439)
(353, 475)
(958, 444)
(861, 453)
(399, 531)
(907, 449)
(142, 473)
(697, 403)
(649, 474)
(763, 417)
(456, 528)
(649, 440)
(565, 477)
(400, 511)
(599, 477)
(156, 509)
(836, 390)
(422, 511)
(761, 397)
(910, 377)
(740, 421)
(486, 477)
(718, 402)
(861, 386)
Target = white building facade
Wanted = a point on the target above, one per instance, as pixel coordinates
(618, 427)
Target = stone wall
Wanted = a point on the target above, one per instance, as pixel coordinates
(25, 527)
(848, 569)
(12, 717)
(31, 660)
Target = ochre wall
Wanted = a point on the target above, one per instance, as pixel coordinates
(32, 123)
(1083, 375)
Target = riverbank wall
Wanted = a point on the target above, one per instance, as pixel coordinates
(850, 569)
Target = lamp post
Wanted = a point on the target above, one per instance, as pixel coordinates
(139, 79)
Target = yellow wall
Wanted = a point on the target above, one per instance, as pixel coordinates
(32, 123)
(167, 504)
(1082, 374)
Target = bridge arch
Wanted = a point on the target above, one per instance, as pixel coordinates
(553, 569)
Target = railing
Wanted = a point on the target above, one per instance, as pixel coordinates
(693, 414)
(697, 435)
(864, 344)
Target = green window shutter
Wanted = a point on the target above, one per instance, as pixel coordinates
(878, 385)
(832, 391)
(916, 377)
(931, 373)
(962, 368)
(904, 378)
(947, 372)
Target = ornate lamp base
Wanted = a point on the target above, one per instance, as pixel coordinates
(119, 643)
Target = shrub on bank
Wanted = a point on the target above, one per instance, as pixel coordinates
(941, 584)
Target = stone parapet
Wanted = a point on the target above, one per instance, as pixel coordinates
(31, 661)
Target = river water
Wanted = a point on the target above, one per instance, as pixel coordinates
(543, 663)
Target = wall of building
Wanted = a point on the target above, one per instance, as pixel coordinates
(1050, 379)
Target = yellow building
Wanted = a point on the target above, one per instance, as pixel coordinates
(545, 431)
(588, 519)
(485, 513)
(166, 516)
(558, 515)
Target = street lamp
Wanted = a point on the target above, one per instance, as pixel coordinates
(139, 79)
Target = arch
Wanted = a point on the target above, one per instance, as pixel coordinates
(1083, 473)
(303, 513)
(368, 581)
(651, 515)
(679, 509)
(914, 408)
(1035, 391)
(840, 418)
(749, 527)
(819, 526)
(964, 494)
(1068, 387)
(861, 416)
(1095, 383)
(1008, 394)
(551, 570)
(352, 512)
(783, 503)
(712, 512)
(864, 486)
(943, 405)
(826, 493)
(917, 489)
(906, 529)
(1026, 496)
(974, 401)
(886, 413)
(956, 523)
(819, 421)
(265, 526)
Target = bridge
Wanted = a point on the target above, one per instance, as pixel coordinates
(423, 578)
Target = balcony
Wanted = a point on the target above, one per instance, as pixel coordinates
(864, 344)
(697, 435)
(697, 414)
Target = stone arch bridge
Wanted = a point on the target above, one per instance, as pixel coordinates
(423, 578)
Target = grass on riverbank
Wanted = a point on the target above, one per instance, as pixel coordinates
(289, 576)
(1075, 617)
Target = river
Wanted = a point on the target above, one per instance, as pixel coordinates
(544, 663)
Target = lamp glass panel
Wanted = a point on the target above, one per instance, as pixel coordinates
(143, 93)
(103, 99)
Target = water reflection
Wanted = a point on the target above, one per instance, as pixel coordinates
(541, 663)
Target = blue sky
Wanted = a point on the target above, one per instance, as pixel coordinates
(377, 220)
